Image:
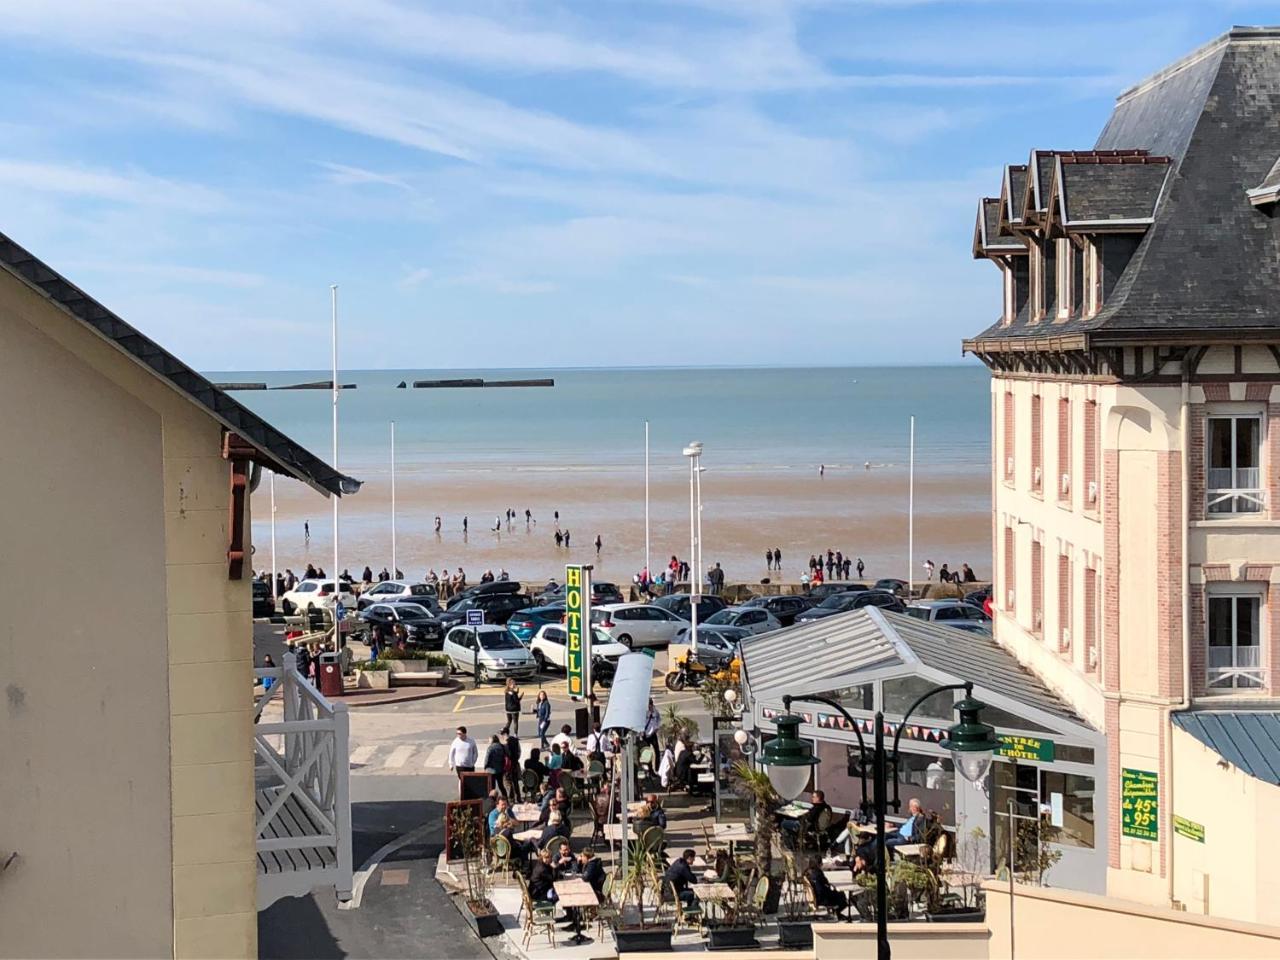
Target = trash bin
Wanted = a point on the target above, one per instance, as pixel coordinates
(329, 670)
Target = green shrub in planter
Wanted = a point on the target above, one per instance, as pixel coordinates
(371, 665)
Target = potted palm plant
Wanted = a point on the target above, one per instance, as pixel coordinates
(961, 899)
(736, 929)
(477, 909)
(640, 884)
(795, 919)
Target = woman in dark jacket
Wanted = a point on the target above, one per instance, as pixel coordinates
(511, 703)
(542, 879)
(495, 761)
(542, 709)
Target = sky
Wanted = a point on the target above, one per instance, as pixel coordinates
(595, 183)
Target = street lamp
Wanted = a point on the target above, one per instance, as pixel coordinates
(790, 761)
(694, 452)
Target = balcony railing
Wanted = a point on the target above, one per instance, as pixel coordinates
(1232, 667)
(301, 787)
(1234, 491)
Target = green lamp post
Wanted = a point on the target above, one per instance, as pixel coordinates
(790, 759)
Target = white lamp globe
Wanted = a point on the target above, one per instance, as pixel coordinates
(730, 696)
(741, 737)
(789, 781)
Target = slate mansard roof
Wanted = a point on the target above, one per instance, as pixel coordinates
(274, 450)
(1189, 162)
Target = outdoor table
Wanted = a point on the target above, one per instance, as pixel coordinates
(576, 893)
(713, 893)
(613, 831)
(526, 812)
(525, 836)
(795, 809)
(733, 832)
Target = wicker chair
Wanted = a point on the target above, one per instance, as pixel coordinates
(500, 856)
(608, 910)
(687, 916)
(537, 916)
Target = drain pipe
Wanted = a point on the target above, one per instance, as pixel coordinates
(1184, 700)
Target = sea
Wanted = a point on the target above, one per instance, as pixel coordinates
(805, 459)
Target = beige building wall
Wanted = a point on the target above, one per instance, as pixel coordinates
(204, 641)
(1232, 873)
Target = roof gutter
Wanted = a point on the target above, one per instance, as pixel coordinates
(1064, 342)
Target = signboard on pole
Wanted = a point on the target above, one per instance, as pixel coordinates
(1026, 748)
(1140, 804)
(577, 622)
(475, 618)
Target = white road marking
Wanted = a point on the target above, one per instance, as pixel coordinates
(439, 756)
(362, 875)
(398, 756)
(361, 755)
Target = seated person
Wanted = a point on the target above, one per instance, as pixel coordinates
(562, 861)
(535, 764)
(825, 894)
(595, 743)
(911, 830)
(506, 827)
(556, 760)
(680, 875)
(590, 869)
(651, 814)
(555, 828)
(500, 809)
(542, 879)
(551, 796)
(806, 827)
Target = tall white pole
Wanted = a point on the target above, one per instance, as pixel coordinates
(647, 571)
(274, 597)
(911, 511)
(698, 488)
(333, 302)
(394, 566)
(695, 585)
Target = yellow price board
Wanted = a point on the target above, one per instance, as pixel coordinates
(1140, 804)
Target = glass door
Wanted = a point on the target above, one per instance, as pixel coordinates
(1019, 787)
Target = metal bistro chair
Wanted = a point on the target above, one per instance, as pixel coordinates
(687, 916)
(607, 911)
(500, 856)
(554, 843)
(645, 764)
(537, 916)
(531, 783)
(654, 841)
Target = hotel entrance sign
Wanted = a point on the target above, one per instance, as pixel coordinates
(1027, 748)
(577, 623)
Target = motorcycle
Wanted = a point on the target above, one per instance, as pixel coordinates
(689, 673)
(602, 672)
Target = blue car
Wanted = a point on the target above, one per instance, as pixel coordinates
(525, 623)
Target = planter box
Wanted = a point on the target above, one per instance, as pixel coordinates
(485, 924)
(648, 940)
(373, 679)
(735, 938)
(795, 935)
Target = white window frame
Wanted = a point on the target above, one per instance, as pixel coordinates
(1009, 292)
(1064, 277)
(1235, 492)
(1090, 287)
(1227, 676)
(1035, 310)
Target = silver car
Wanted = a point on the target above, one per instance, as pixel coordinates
(488, 651)
(752, 619)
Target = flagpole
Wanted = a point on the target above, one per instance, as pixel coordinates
(911, 512)
(274, 596)
(394, 566)
(333, 301)
(646, 499)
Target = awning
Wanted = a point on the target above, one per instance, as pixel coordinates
(1249, 739)
(629, 696)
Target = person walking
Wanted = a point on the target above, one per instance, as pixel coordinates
(559, 538)
(542, 710)
(463, 753)
(768, 559)
(566, 538)
(511, 698)
(306, 531)
(464, 526)
(599, 544)
(777, 559)
(861, 567)
(928, 570)
(495, 763)
(512, 772)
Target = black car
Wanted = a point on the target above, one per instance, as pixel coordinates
(853, 600)
(423, 629)
(601, 592)
(784, 608)
(263, 603)
(893, 585)
(485, 589)
(823, 590)
(497, 607)
(979, 597)
(678, 603)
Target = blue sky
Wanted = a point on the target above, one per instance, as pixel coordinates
(549, 183)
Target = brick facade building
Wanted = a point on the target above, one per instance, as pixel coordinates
(1136, 454)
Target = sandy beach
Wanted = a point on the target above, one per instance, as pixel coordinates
(861, 512)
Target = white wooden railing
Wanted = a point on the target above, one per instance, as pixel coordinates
(304, 761)
(1236, 666)
(1234, 491)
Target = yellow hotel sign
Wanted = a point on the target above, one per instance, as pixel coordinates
(577, 623)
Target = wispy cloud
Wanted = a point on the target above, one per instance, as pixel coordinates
(414, 278)
(344, 175)
(132, 187)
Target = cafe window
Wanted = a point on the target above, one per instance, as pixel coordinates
(900, 692)
(1066, 801)
(924, 777)
(1003, 720)
(1067, 753)
(858, 697)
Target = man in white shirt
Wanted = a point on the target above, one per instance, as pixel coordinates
(595, 741)
(652, 724)
(463, 753)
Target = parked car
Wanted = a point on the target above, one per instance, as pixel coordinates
(637, 624)
(979, 598)
(893, 585)
(752, 619)
(823, 590)
(483, 589)
(946, 611)
(785, 608)
(488, 651)
(263, 604)
(317, 595)
(601, 593)
(548, 646)
(422, 626)
(423, 593)
(680, 605)
(497, 607)
(970, 626)
(844, 602)
(524, 624)
(717, 644)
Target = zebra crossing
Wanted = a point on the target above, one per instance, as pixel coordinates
(399, 759)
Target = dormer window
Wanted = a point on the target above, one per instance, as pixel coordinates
(1066, 277)
(1092, 279)
(1010, 310)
